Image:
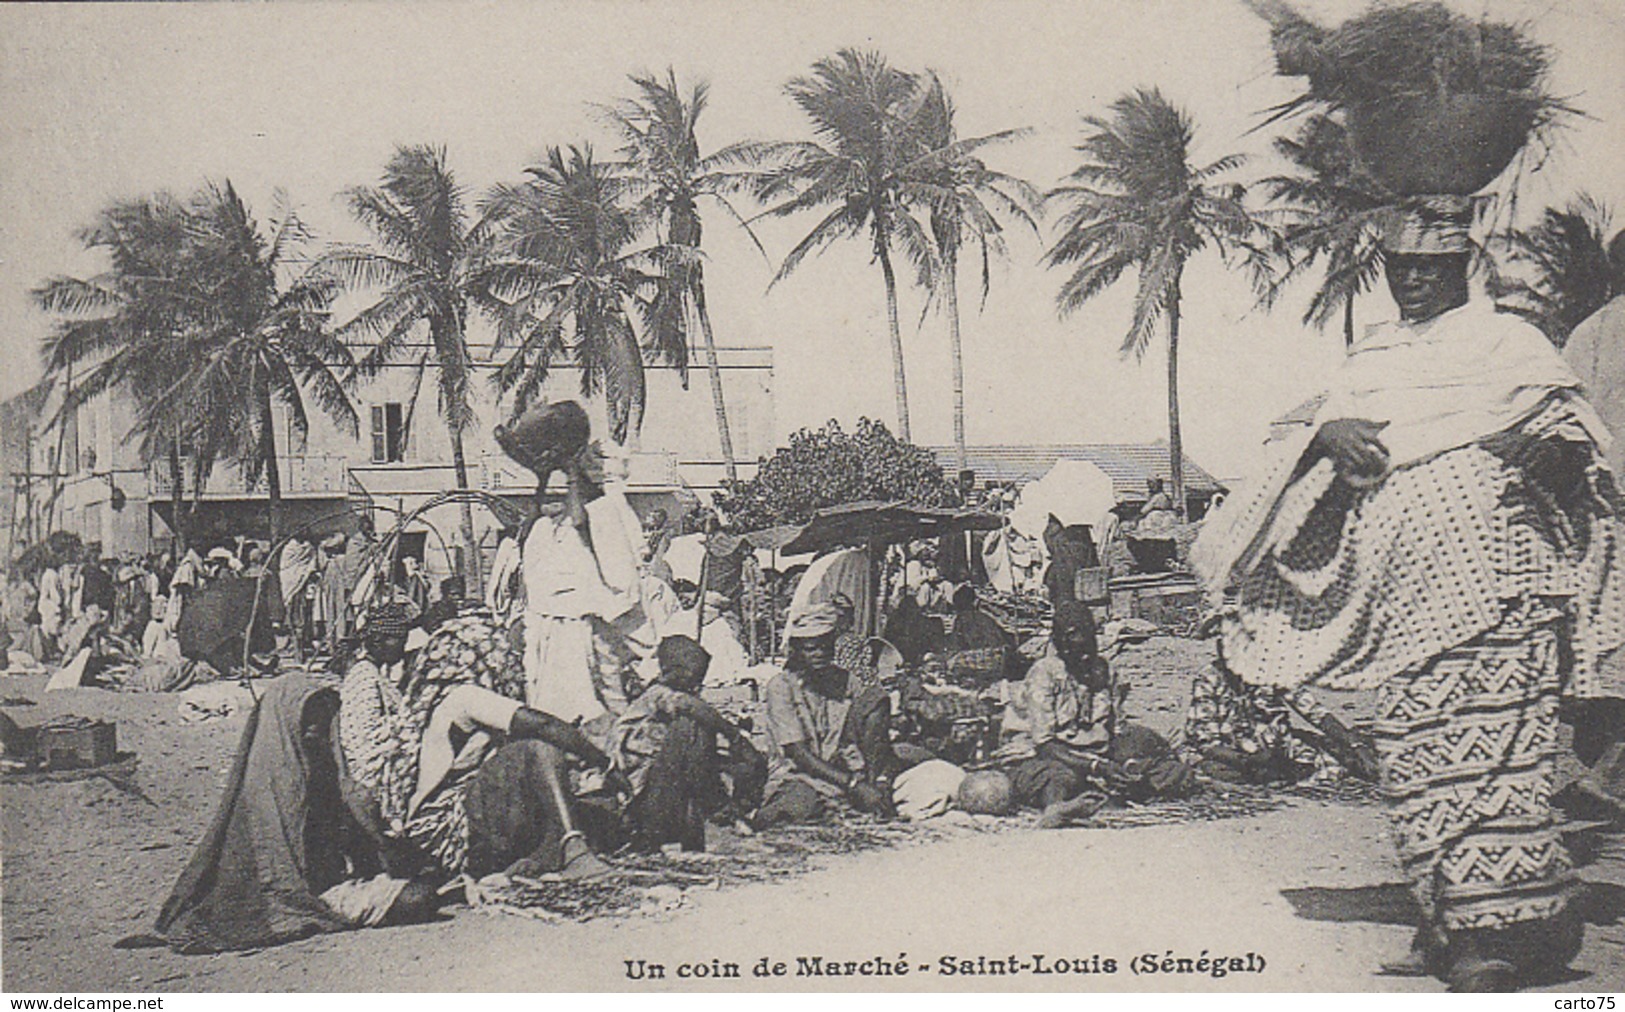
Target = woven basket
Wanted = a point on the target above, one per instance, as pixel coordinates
(1448, 143)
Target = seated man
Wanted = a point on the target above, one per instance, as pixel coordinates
(1069, 750)
(830, 735)
(666, 744)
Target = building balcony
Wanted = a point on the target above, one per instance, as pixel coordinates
(304, 476)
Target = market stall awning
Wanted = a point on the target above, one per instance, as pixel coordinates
(857, 524)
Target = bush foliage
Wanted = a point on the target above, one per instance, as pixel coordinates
(830, 467)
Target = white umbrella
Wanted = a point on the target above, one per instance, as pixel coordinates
(1074, 492)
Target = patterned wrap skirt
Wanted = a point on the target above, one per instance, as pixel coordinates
(472, 649)
(1466, 745)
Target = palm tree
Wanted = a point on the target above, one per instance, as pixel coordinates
(257, 337)
(860, 107)
(1560, 271)
(202, 321)
(418, 265)
(564, 280)
(1330, 210)
(122, 329)
(667, 177)
(963, 200)
(1137, 202)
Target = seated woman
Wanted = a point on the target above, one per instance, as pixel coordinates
(1242, 733)
(284, 858)
(472, 778)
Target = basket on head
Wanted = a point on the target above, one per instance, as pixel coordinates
(545, 436)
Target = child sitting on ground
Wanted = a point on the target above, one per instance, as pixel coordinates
(666, 744)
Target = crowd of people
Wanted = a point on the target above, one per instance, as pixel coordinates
(1447, 538)
(574, 713)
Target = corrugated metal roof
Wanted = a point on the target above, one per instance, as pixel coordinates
(1128, 465)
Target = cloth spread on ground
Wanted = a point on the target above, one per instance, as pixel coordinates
(248, 883)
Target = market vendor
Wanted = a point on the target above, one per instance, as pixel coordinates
(1243, 733)
(830, 735)
(424, 744)
(666, 744)
(1068, 750)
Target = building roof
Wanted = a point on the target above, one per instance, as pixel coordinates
(1129, 465)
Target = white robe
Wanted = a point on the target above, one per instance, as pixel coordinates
(581, 604)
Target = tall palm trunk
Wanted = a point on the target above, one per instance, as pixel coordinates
(1348, 322)
(950, 287)
(273, 473)
(714, 367)
(899, 379)
(177, 498)
(637, 393)
(1176, 448)
(472, 568)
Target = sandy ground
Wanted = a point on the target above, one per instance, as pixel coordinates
(1312, 888)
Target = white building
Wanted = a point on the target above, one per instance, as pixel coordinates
(82, 476)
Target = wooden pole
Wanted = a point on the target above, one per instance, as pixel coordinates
(705, 580)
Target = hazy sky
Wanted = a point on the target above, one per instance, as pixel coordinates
(115, 101)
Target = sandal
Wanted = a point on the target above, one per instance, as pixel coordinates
(1483, 976)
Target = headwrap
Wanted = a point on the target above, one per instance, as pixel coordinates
(841, 601)
(817, 620)
(1435, 224)
(1071, 615)
(681, 652)
(388, 618)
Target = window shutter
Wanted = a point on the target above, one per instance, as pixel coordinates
(380, 447)
(395, 437)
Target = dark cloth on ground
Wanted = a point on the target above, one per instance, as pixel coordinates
(794, 803)
(160, 674)
(255, 878)
(216, 617)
